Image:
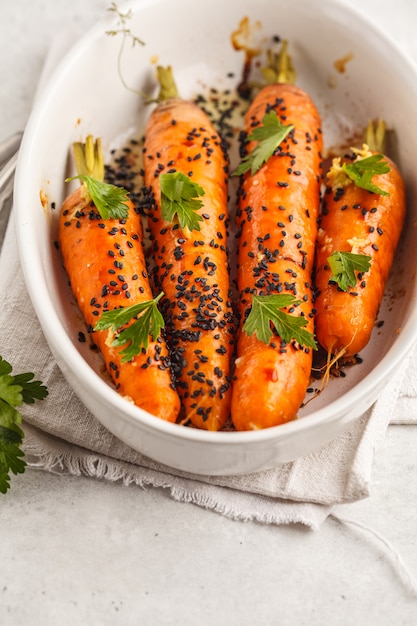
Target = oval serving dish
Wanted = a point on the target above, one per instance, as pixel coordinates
(85, 95)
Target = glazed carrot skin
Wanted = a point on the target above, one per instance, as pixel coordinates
(105, 263)
(372, 223)
(277, 221)
(191, 266)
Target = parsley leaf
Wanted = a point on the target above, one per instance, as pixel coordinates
(31, 389)
(11, 455)
(179, 197)
(9, 392)
(5, 367)
(344, 265)
(268, 309)
(14, 391)
(149, 321)
(109, 200)
(362, 171)
(269, 136)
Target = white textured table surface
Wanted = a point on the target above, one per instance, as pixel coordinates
(80, 551)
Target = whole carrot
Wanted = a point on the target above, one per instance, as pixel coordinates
(186, 170)
(101, 241)
(360, 225)
(278, 203)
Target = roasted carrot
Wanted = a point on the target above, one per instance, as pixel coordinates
(278, 204)
(186, 187)
(357, 223)
(105, 262)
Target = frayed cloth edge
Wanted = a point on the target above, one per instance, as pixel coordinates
(94, 466)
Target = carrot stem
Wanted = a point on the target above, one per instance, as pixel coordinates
(168, 88)
(375, 136)
(88, 158)
(280, 68)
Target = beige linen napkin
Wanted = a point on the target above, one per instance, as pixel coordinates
(406, 405)
(62, 436)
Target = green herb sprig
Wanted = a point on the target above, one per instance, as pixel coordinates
(109, 200)
(362, 171)
(344, 266)
(180, 200)
(15, 390)
(267, 310)
(126, 34)
(149, 322)
(269, 136)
